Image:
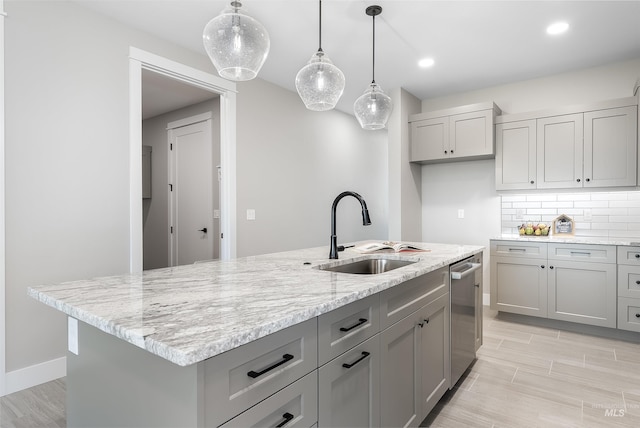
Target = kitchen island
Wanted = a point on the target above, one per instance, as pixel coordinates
(163, 331)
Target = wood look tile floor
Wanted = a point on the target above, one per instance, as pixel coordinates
(525, 376)
(531, 376)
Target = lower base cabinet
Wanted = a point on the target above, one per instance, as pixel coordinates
(349, 388)
(294, 406)
(414, 362)
(582, 292)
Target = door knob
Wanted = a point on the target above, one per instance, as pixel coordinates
(204, 230)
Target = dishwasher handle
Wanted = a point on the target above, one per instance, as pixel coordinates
(461, 274)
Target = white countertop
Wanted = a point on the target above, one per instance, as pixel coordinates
(569, 240)
(190, 313)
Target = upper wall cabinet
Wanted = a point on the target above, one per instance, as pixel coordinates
(460, 133)
(575, 147)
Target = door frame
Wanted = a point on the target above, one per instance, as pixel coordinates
(2, 213)
(139, 60)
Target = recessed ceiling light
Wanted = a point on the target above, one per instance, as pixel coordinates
(426, 62)
(557, 28)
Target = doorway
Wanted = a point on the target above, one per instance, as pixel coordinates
(139, 61)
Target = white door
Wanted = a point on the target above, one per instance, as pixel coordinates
(191, 194)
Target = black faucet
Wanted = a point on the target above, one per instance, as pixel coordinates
(366, 221)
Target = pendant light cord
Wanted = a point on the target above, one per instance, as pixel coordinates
(319, 25)
(373, 66)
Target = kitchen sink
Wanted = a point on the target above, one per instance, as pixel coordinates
(368, 266)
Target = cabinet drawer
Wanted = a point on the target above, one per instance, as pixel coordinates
(629, 281)
(240, 378)
(345, 327)
(629, 314)
(399, 301)
(529, 250)
(583, 253)
(294, 406)
(628, 255)
(349, 388)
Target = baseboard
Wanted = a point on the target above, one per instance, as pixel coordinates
(486, 299)
(37, 374)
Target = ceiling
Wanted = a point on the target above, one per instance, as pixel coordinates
(475, 44)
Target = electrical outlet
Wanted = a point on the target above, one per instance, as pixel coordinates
(587, 214)
(519, 214)
(251, 214)
(460, 213)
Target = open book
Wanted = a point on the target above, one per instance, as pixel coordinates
(398, 247)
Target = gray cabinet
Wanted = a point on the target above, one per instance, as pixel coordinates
(459, 133)
(434, 352)
(294, 406)
(629, 288)
(519, 277)
(516, 155)
(559, 151)
(345, 327)
(236, 380)
(349, 388)
(573, 147)
(415, 354)
(610, 147)
(582, 284)
(570, 282)
(349, 375)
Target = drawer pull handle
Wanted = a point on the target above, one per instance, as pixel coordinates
(359, 323)
(285, 358)
(287, 418)
(364, 355)
(580, 253)
(518, 249)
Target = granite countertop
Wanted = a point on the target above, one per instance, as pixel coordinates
(187, 314)
(569, 240)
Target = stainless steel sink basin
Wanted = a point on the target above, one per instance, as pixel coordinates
(369, 266)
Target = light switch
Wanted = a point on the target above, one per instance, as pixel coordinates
(460, 213)
(216, 213)
(251, 214)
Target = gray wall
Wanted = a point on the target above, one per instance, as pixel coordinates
(293, 162)
(67, 189)
(67, 159)
(471, 185)
(155, 213)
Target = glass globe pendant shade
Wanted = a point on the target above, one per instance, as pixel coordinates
(320, 83)
(236, 43)
(373, 108)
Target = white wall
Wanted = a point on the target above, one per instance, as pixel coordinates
(293, 162)
(471, 185)
(156, 209)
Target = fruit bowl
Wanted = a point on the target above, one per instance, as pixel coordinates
(530, 229)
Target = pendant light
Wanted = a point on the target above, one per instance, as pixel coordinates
(320, 83)
(236, 43)
(373, 108)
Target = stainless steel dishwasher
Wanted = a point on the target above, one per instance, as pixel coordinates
(466, 276)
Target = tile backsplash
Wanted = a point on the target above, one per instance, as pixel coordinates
(596, 214)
